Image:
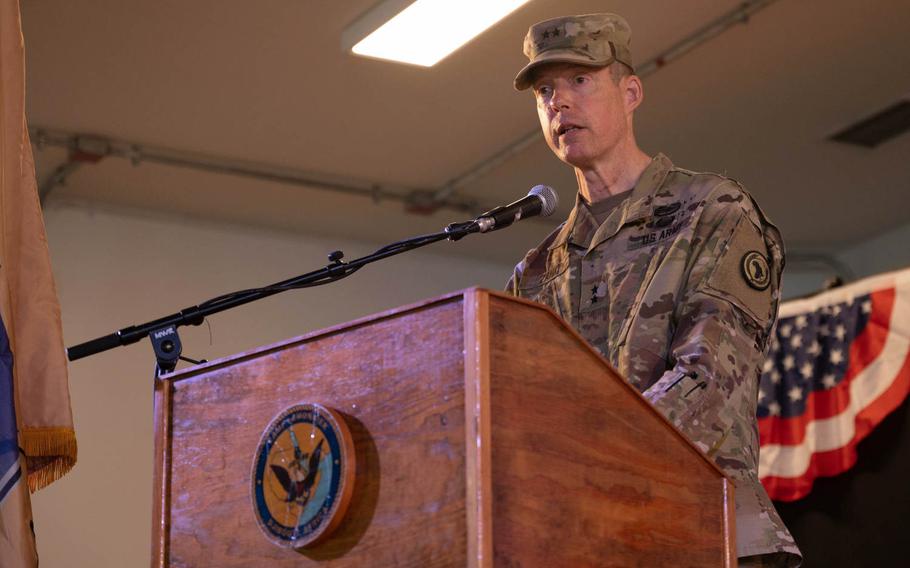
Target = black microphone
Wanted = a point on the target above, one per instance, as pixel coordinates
(541, 200)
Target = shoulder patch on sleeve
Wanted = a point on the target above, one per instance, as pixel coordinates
(745, 274)
(756, 270)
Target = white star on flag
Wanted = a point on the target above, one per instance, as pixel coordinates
(795, 394)
(866, 306)
(785, 330)
(801, 322)
(789, 362)
(840, 332)
(837, 356)
(774, 409)
(829, 381)
(796, 341)
(806, 370)
(814, 349)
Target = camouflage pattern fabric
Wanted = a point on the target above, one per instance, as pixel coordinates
(678, 289)
(590, 39)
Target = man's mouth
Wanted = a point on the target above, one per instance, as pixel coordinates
(565, 128)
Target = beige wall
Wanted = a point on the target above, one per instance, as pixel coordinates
(115, 269)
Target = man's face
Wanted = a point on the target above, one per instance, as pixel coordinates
(582, 112)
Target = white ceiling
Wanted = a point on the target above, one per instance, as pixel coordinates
(267, 82)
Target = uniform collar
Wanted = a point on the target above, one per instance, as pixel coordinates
(638, 206)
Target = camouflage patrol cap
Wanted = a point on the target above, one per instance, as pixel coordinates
(590, 39)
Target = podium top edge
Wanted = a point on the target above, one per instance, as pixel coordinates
(334, 329)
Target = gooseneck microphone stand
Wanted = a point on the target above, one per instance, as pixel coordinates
(163, 331)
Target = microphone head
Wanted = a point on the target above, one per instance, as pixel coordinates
(548, 198)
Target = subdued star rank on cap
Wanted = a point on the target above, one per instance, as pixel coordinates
(591, 39)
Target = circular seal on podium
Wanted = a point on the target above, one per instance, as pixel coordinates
(303, 475)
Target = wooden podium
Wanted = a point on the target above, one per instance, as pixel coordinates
(487, 433)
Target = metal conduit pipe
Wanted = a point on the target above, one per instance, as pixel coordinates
(90, 148)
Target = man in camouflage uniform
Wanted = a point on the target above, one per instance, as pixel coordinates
(672, 275)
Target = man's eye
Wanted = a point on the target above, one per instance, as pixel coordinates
(544, 90)
(581, 79)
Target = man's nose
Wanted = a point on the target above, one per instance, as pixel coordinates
(560, 100)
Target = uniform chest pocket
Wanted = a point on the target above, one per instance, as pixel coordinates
(615, 280)
(548, 283)
(533, 281)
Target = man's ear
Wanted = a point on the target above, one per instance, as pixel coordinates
(633, 92)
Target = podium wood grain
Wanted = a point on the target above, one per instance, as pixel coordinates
(487, 434)
(584, 466)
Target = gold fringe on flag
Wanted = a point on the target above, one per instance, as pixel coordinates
(50, 454)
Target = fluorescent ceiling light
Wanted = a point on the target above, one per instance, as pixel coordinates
(425, 31)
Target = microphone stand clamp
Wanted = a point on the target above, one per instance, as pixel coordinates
(167, 346)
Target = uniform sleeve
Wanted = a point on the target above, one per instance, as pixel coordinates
(722, 321)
